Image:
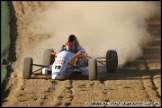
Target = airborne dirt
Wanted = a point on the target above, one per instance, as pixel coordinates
(137, 81)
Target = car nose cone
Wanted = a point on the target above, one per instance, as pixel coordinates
(56, 77)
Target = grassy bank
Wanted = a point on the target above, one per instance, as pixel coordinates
(5, 36)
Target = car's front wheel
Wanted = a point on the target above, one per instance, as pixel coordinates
(92, 69)
(48, 58)
(111, 61)
(27, 67)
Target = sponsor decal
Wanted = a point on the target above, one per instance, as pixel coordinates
(59, 61)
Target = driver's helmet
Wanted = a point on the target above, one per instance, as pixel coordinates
(72, 38)
(69, 46)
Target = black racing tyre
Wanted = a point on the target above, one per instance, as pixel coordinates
(48, 58)
(27, 67)
(92, 69)
(111, 61)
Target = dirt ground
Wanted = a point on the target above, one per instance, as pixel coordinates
(138, 81)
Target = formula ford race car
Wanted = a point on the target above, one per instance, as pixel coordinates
(65, 63)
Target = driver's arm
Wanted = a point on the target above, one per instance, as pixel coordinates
(80, 51)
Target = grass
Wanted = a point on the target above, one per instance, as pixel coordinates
(5, 36)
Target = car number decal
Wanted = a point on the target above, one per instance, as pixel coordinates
(59, 61)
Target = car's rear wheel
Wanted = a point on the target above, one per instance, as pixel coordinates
(27, 67)
(92, 69)
(48, 58)
(111, 61)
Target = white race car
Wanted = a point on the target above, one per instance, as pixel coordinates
(65, 63)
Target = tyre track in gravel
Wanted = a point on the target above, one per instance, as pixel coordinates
(152, 85)
(138, 81)
(62, 96)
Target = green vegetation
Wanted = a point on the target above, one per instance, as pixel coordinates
(5, 36)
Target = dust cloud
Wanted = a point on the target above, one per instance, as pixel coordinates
(99, 26)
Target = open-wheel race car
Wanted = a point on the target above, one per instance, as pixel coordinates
(65, 63)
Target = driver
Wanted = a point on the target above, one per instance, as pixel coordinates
(73, 45)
